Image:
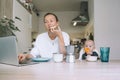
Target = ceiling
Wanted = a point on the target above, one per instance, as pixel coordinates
(57, 5)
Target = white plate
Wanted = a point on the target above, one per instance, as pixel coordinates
(40, 59)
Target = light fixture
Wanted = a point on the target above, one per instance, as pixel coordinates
(74, 23)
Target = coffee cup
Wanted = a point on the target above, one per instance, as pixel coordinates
(58, 57)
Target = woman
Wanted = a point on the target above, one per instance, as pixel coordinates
(52, 41)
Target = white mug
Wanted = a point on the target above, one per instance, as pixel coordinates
(57, 57)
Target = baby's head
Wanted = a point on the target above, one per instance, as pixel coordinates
(89, 44)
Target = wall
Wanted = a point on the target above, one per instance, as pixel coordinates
(6, 8)
(90, 27)
(107, 25)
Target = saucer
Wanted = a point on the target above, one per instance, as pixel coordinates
(40, 59)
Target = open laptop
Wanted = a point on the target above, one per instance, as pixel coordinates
(9, 52)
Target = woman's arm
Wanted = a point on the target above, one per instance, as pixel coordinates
(22, 57)
(62, 44)
(59, 34)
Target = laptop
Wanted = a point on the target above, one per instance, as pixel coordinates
(9, 52)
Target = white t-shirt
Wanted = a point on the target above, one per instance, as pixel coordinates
(45, 47)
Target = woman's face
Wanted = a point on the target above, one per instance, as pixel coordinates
(50, 21)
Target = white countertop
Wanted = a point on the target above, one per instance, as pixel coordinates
(62, 71)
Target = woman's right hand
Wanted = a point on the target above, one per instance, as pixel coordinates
(21, 57)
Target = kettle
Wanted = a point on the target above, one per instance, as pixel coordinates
(70, 58)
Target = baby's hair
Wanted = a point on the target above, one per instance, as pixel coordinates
(89, 41)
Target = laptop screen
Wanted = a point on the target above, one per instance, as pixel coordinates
(8, 50)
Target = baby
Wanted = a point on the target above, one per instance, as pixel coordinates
(89, 49)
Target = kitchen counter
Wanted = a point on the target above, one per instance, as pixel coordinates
(62, 71)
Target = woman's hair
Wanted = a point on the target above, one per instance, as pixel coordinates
(51, 14)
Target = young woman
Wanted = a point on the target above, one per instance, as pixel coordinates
(52, 41)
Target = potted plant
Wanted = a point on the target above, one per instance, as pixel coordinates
(7, 27)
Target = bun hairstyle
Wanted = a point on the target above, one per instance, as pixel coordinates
(51, 14)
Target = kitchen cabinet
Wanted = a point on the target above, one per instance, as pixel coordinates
(12, 9)
(35, 22)
(24, 37)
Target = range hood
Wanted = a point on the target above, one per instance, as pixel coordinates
(83, 18)
(80, 20)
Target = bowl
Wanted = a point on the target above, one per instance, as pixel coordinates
(91, 58)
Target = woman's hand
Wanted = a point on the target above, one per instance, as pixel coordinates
(21, 57)
(52, 29)
(56, 30)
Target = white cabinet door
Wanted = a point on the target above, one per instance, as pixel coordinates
(24, 37)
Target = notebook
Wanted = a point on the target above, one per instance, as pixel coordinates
(9, 52)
